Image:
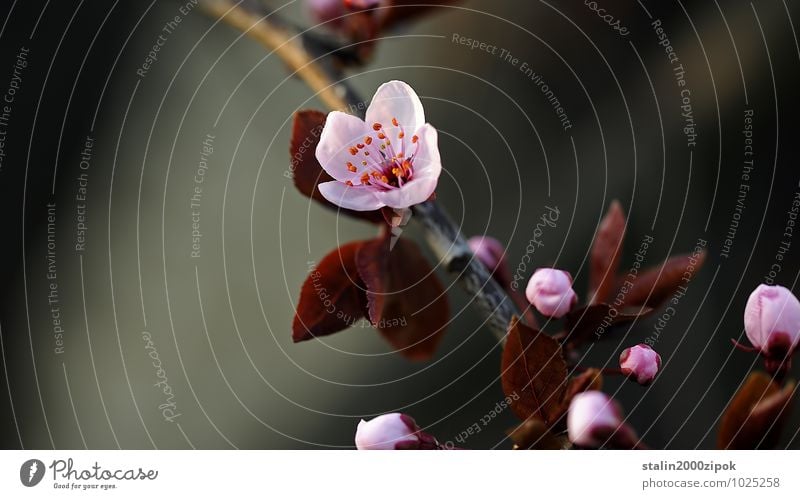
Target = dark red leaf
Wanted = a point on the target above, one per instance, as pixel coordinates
(533, 434)
(406, 301)
(592, 323)
(307, 173)
(591, 379)
(657, 284)
(756, 415)
(606, 253)
(533, 372)
(332, 297)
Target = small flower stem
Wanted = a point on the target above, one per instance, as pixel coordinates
(610, 371)
(442, 235)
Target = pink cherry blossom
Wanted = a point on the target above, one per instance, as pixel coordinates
(772, 324)
(641, 363)
(392, 159)
(385, 432)
(362, 4)
(550, 291)
(323, 11)
(592, 418)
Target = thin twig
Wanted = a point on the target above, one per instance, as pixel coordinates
(285, 44)
(442, 235)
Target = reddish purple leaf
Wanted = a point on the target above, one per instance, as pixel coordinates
(406, 301)
(533, 373)
(756, 415)
(657, 284)
(593, 322)
(332, 297)
(307, 173)
(606, 253)
(533, 434)
(591, 379)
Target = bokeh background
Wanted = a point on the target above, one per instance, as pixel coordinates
(220, 323)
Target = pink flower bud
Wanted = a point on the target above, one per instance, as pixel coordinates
(322, 11)
(592, 418)
(361, 4)
(491, 253)
(640, 363)
(772, 320)
(772, 323)
(550, 291)
(387, 432)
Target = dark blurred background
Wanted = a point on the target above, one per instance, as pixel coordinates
(78, 370)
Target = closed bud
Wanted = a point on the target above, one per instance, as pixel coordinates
(491, 253)
(592, 418)
(641, 363)
(362, 4)
(323, 11)
(393, 431)
(550, 291)
(772, 324)
(594, 421)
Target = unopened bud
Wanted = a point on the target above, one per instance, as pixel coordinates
(772, 324)
(550, 291)
(641, 363)
(393, 431)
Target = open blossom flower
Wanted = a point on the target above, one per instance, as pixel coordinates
(392, 159)
(393, 431)
(550, 291)
(641, 363)
(772, 324)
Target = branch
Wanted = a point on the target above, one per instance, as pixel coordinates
(448, 244)
(442, 235)
(268, 29)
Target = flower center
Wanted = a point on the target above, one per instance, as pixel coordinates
(379, 163)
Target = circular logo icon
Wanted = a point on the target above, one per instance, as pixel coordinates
(31, 472)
